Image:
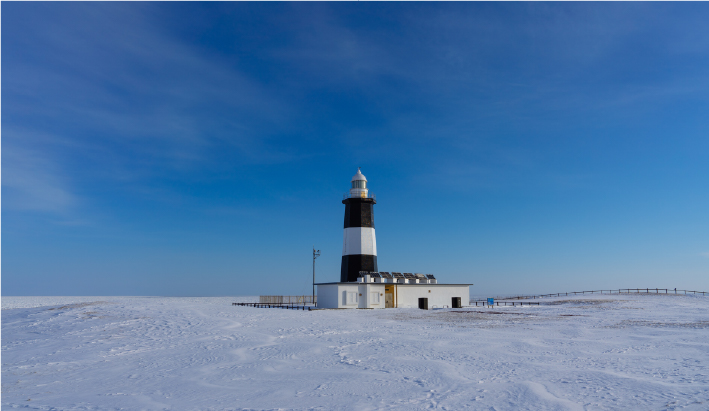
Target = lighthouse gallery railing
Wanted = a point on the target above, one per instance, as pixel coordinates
(348, 195)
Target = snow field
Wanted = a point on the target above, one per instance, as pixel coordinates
(602, 352)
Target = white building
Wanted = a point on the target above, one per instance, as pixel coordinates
(385, 293)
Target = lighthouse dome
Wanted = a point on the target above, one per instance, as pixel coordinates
(359, 176)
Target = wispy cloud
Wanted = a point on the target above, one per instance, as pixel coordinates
(105, 93)
(32, 181)
(153, 99)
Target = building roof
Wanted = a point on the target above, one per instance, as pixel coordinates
(359, 176)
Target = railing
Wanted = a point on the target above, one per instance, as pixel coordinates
(291, 306)
(617, 291)
(348, 195)
(288, 299)
(497, 303)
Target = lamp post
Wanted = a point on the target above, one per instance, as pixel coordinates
(316, 254)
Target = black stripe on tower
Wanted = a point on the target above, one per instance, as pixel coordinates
(353, 264)
(359, 212)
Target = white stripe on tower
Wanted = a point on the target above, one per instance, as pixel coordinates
(359, 240)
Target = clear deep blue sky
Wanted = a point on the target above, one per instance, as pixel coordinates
(203, 148)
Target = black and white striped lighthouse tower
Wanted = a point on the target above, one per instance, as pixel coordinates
(359, 249)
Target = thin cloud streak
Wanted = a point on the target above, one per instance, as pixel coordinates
(175, 87)
(32, 182)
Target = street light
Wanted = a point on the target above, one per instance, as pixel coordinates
(316, 254)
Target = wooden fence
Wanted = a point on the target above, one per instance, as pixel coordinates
(618, 291)
(288, 299)
(498, 303)
(289, 306)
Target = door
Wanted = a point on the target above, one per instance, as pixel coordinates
(389, 296)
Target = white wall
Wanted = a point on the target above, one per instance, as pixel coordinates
(353, 295)
(327, 296)
(439, 295)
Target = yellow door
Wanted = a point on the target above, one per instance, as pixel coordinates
(389, 296)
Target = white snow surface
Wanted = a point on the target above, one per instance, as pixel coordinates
(602, 352)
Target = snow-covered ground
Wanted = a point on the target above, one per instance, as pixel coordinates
(639, 352)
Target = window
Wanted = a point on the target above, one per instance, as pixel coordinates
(359, 184)
(352, 298)
(374, 298)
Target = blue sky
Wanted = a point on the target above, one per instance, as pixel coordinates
(203, 148)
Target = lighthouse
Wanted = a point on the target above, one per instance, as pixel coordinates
(359, 248)
(361, 284)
